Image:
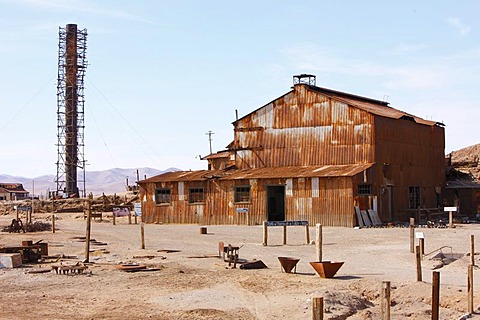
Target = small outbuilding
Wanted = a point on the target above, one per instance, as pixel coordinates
(12, 191)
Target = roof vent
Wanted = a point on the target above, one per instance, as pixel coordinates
(309, 79)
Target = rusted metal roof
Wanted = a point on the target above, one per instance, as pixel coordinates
(377, 107)
(218, 155)
(197, 175)
(262, 173)
(373, 106)
(13, 187)
(299, 172)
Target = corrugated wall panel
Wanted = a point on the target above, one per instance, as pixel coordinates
(331, 205)
(308, 129)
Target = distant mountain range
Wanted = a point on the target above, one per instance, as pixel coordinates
(108, 181)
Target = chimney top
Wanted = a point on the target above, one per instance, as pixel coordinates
(303, 78)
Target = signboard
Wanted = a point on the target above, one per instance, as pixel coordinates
(450, 209)
(24, 208)
(242, 210)
(287, 223)
(137, 209)
(419, 235)
(121, 212)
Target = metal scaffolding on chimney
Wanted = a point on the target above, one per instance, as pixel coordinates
(72, 63)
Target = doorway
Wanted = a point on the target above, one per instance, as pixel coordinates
(387, 204)
(276, 203)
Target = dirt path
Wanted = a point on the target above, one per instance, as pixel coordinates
(190, 284)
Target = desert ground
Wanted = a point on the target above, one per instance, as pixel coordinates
(193, 283)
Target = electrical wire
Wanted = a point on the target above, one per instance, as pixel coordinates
(127, 123)
(26, 104)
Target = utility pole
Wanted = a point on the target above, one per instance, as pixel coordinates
(209, 134)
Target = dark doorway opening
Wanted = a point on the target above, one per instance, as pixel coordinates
(276, 203)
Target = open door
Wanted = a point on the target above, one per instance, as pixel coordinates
(387, 204)
(276, 203)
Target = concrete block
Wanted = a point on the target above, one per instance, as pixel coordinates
(10, 260)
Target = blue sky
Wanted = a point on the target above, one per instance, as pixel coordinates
(163, 73)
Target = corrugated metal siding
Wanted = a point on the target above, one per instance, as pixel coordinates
(410, 155)
(331, 204)
(306, 129)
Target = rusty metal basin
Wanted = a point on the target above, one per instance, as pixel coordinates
(326, 269)
(288, 263)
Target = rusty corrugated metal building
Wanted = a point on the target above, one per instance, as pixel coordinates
(312, 154)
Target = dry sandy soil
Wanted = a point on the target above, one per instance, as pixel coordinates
(192, 284)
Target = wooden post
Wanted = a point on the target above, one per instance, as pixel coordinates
(16, 211)
(135, 217)
(412, 235)
(317, 308)
(265, 233)
(470, 289)
(472, 249)
(421, 244)
(318, 241)
(284, 235)
(53, 223)
(435, 295)
(419, 263)
(113, 217)
(450, 219)
(129, 217)
(89, 223)
(386, 300)
(307, 234)
(142, 234)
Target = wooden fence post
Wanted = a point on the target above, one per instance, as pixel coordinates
(265, 233)
(318, 241)
(435, 295)
(472, 249)
(419, 263)
(386, 300)
(53, 223)
(421, 244)
(470, 289)
(284, 235)
(89, 223)
(317, 308)
(412, 235)
(307, 234)
(142, 234)
(450, 219)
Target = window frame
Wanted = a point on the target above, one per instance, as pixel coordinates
(196, 195)
(239, 195)
(414, 197)
(362, 192)
(159, 200)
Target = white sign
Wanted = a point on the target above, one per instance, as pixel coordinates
(137, 209)
(419, 235)
(450, 209)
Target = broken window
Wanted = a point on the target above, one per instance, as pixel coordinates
(242, 194)
(414, 197)
(364, 189)
(196, 195)
(162, 196)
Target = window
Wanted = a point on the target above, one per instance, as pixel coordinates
(414, 197)
(242, 194)
(195, 195)
(163, 196)
(364, 189)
